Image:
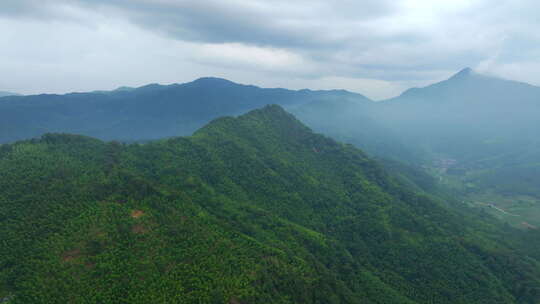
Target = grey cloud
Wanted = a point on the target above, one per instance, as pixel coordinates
(296, 24)
(392, 40)
(30, 9)
(277, 23)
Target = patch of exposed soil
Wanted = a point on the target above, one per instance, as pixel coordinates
(234, 300)
(137, 213)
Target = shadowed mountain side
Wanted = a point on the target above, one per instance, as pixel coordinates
(149, 112)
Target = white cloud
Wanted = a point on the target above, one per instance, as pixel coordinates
(373, 47)
(237, 55)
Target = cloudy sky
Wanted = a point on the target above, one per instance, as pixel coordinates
(375, 47)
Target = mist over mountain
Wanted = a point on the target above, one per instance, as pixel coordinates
(3, 94)
(355, 122)
(467, 116)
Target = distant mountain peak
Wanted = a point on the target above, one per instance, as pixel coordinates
(124, 88)
(464, 73)
(466, 70)
(211, 78)
(212, 81)
(151, 86)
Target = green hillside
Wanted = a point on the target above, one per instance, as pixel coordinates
(254, 209)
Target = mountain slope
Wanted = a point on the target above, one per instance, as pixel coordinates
(354, 122)
(467, 116)
(254, 209)
(483, 132)
(149, 112)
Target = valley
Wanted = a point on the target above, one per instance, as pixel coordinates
(519, 211)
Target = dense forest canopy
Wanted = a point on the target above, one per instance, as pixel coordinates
(253, 209)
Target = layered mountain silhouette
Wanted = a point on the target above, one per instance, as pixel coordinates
(469, 117)
(253, 209)
(149, 112)
(476, 121)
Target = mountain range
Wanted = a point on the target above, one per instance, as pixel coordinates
(193, 201)
(482, 125)
(465, 117)
(149, 112)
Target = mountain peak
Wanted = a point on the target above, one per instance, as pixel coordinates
(466, 72)
(273, 112)
(213, 81)
(459, 78)
(123, 89)
(268, 119)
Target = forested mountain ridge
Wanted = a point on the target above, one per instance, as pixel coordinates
(254, 209)
(149, 112)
